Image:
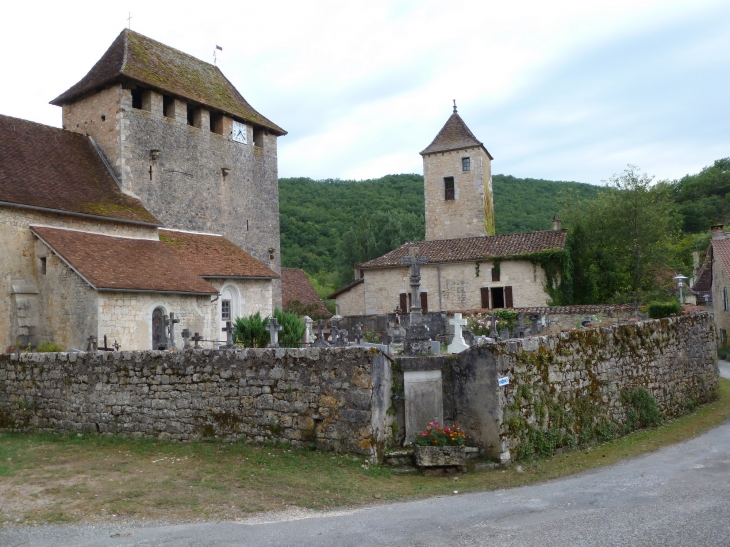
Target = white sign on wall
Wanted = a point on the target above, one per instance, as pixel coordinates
(240, 132)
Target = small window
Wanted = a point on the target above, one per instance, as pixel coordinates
(193, 116)
(42, 267)
(258, 137)
(449, 188)
(225, 310)
(137, 99)
(495, 274)
(216, 123)
(168, 106)
(466, 164)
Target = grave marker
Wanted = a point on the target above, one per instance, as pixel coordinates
(458, 344)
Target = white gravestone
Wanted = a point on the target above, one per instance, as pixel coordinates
(424, 400)
(309, 337)
(458, 344)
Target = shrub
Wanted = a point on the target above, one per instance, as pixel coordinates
(49, 347)
(251, 331)
(657, 310)
(294, 328)
(643, 410)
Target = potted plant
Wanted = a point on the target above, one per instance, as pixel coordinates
(440, 446)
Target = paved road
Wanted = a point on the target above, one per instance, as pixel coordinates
(677, 496)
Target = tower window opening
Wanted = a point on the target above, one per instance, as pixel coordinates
(168, 106)
(466, 164)
(137, 98)
(216, 123)
(192, 111)
(258, 137)
(449, 188)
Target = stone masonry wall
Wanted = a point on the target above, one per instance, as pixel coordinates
(334, 398)
(570, 386)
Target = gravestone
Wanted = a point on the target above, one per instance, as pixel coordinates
(358, 334)
(91, 343)
(424, 400)
(320, 342)
(534, 326)
(458, 344)
(342, 340)
(308, 334)
(435, 347)
(493, 332)
(196, 339)
(172, 322)
(228, 329)
(504, 333)
(186, 338)
(274, 328)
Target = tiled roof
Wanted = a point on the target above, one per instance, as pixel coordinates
(214, 256)
(345, 288)
(295, 285)
(41, 166)
(114, 263)
(135, 57)
(453, 136)
(474, 248)
(703, 283)
(721, 253)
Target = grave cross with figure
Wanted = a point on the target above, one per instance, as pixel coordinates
(274, 328)
(414, 261)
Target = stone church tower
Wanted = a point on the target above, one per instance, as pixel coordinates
(183, 140)
(457, 173)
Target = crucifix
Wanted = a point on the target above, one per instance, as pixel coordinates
(172, 321)
(414, 260)
(196, 338)
(274, 328)
(186, 338)
(116, 345)
(228, 329)
(91, 346)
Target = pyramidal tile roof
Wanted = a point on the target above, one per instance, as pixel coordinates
(137, 58)
(49, 168)
(453, 136)
(468, 249)
(295, 286)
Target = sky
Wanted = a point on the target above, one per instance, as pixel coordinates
(564, 90)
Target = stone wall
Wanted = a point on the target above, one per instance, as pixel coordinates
(464, 215)
(334, 398)
(184, 185)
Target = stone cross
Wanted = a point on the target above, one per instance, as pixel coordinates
(186, 338)
(414, 260)
(91, 346)
(358, 334)
(173, 321)
(228, 329)
(274, 328)
(458, 344)
(534, 327)
(493, 331)
(308, 334)
(320, 326)
(196, 338)
(333, 334)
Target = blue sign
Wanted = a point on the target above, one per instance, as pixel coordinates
(503, 381)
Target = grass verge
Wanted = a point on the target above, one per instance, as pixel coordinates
(54, 478)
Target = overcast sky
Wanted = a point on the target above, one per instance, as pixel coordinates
(569, 90)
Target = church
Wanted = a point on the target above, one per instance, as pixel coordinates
(153, 211)
(469, 267)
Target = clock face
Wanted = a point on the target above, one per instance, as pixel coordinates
(239, 133)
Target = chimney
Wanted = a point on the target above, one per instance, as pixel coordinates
(557, 223)
(718, 231)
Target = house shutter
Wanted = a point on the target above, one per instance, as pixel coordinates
(495, 274)
(424, 302)
(508, 303)
(403, 302)
(485, 297)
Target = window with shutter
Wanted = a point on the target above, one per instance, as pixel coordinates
(485, 297)
(495, 274)
(508, 302)
(403, 302)
(424, 302)
(449, 188)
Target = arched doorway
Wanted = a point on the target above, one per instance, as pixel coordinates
(159, 331)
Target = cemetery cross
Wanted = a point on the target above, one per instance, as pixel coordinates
(274, 328)
(414, 260)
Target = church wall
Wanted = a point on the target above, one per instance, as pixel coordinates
(460, 285)
(185, 186)
(253, 295)
(19, 260)
(352, 302)
(463, 216)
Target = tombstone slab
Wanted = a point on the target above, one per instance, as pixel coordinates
(424, 400)
(458, 344)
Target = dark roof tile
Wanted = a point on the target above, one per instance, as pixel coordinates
(474, 248)
(138, 58)
(41, 166)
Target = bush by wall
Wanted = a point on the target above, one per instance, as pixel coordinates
(657, 310)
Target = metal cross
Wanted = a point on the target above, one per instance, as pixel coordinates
(197, 338)
(116, 346)
(274, 328)
(228, 329)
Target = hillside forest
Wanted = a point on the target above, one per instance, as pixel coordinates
(626, 239)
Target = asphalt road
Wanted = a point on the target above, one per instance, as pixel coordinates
(677, 496)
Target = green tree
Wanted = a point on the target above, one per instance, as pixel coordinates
(292, 334)
(703, 199)
(251, 331)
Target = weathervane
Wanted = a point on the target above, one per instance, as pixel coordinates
(129, 21)
(454, 106)
(217, 48)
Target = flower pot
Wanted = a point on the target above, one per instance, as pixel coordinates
(440, 456)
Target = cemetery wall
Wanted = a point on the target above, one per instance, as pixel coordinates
(572, 387)
(459, 285)
(184, 186)
(464, 215)
(334, 398)
(20, 253)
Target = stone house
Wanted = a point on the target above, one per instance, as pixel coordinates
(720, 257)
(298, 292)
(158, 196)
(468, 266)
